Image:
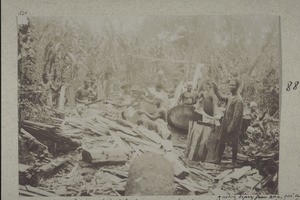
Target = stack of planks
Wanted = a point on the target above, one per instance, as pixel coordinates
(121, 142)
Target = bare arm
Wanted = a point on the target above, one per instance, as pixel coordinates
(218, 94)
(180, 98)
(152, 117)
(77, 97)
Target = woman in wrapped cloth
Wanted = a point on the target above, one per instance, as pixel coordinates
(157, 121)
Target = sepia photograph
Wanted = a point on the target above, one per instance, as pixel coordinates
(148, 105)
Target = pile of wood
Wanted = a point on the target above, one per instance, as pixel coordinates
(49, 135)
(108, 147)
(121, 140)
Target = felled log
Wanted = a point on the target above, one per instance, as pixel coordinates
(35, 144)
(38, 125)
(150, 175)
(104, 156)
(56, 141)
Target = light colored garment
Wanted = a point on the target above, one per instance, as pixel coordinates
(160, 95)
(197, 74)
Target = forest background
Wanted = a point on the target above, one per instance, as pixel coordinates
(134, 48)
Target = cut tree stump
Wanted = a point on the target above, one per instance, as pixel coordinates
(202, 142)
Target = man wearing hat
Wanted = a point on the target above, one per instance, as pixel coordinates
(187, 97)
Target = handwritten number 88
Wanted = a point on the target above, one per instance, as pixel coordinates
(290, 83)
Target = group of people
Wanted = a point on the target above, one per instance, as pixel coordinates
(205, 94)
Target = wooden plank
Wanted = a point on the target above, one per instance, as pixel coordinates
(116, 172)
(37, 191)
(27, 134)
(194, 141)
(136, 140)
(50, 168)
(115, 126)
(239, 172)
(23, 168)
(61, 101)
(218, 191)
(189, 138)
(119, 141)
(152, 135)
(38, 124)
(104, 156)
(223, 174)
(197, 172)
(180, 170)
(28, 194)
(190, 185)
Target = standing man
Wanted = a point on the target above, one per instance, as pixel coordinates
(83, 93)
(232, 121)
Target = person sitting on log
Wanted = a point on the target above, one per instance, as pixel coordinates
(125, 101)
(159, 94)
(188, 96)
(232, 121)
(83, 93)
(156, 121)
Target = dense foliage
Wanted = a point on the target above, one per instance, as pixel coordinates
(134, 49)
